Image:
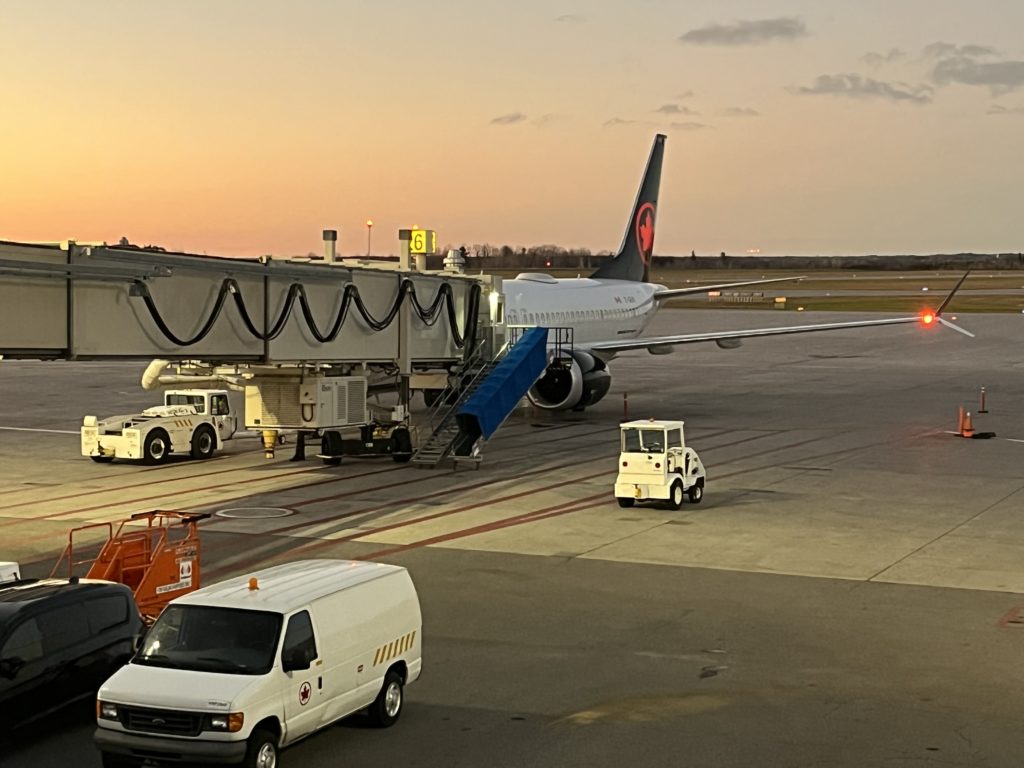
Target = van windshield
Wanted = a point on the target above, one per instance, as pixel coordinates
(207, 639)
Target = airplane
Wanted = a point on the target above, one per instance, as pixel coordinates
(609, 310)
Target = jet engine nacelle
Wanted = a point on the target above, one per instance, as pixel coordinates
(575, 383)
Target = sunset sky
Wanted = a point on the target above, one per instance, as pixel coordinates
(245, 127)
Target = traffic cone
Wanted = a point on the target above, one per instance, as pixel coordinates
(967, 428)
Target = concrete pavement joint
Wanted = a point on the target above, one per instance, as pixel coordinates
(943, 535)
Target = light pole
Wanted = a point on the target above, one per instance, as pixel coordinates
(369, 230)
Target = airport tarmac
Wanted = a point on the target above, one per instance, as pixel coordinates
(849, 592)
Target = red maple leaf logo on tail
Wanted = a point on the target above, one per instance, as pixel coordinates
(645, 231)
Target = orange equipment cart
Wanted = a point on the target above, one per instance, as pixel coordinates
(159, 561)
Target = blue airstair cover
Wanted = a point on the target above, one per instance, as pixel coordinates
(506, 385)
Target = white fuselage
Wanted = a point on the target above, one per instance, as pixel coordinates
(596, 309)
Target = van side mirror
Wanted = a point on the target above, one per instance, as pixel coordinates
(294, 660)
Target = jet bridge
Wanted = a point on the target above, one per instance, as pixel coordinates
(77, 302)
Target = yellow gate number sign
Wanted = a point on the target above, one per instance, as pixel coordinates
(423, 241)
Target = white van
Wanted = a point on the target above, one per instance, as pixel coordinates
(232, 672)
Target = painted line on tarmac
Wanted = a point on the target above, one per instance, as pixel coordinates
(358, 534)
(51, 431)
(92, 493)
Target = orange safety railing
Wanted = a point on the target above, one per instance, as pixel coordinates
(156, 562)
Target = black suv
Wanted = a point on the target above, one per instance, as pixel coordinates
(60, 639)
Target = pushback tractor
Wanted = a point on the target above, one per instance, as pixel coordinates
(193, 422)
(656, 464)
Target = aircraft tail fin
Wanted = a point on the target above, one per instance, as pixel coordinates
(633, 261)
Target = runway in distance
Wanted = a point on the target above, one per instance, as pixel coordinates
(609, 310)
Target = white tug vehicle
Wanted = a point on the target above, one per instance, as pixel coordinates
(190, 421)
(655, 463)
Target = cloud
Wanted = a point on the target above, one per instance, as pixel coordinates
(618, 121)
(510, 119)
(740, 112)
(999, 76)
(545, 119)
(878, 59)
(746, 32)
(859, 87)
(944, 50)
(571, 18)
(675, 109)
(999, 109)
(688, 126)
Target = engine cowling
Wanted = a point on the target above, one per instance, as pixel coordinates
(571, 384)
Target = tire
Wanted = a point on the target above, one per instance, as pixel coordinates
(625, 501)
(102, 459)
(330, 448)
(387, 707)
(261, 751)
(401, 445)
(675, 495)
(156, 447)
(431, 396)
(204, 442)
(110, 760)
(696, 492)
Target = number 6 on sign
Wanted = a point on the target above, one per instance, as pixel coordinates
(423, 241)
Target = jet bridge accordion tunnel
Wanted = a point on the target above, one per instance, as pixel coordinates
(94, 302)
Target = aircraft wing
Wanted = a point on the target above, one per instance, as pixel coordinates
(729, 339)
(723, 338)
(673, 293)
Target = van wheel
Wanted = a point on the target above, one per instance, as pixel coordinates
(696, 493)
(156, 447)
(111, 760)
(625, 501)
(388, 705)
(675, 495)
(204, 442)
(262, 750)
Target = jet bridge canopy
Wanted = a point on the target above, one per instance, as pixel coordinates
(86, 302)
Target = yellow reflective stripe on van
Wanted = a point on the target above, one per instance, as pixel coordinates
(183, 423)
(395, 648)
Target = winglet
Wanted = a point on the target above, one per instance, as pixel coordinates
(938, 312)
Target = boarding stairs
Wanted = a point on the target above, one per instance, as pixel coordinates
(481, 398)
(444, 427)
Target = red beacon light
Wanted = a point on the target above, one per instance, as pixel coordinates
(927, 318)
